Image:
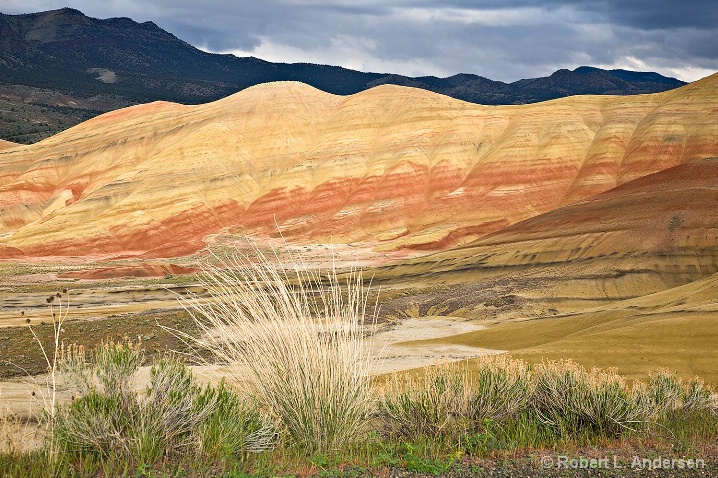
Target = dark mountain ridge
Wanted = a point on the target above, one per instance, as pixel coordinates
(61, 67)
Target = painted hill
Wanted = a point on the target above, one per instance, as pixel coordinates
(396, 167)
(653, 233)
(61, 67)
(625, 279)
(676, 328)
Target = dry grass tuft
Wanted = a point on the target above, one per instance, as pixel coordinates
(296, 342)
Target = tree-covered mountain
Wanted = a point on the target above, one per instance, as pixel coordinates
(61, 67)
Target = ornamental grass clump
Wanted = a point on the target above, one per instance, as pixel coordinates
(294, 340)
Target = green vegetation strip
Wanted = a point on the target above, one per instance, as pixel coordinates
(497, 417)
(20, 355)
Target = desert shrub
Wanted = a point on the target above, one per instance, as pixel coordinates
(666, 394)
(98, 420)
(234, 425)
(663, 392)
(168, 411)
(108, 370)
(109, 420)
(455, 399)
(436, 403)
(296, 343)
(698, 397)
(500, 387)
(177, 415)
(95, 424)
(559, 398)
(574, 401)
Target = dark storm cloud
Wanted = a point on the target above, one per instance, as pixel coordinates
(656, 14)
(499, 39)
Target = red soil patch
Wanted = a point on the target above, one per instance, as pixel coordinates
(140, 270)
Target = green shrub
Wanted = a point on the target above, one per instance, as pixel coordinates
(698, 397)
(234, 426)
(664, 392)
(574, 401)
(667, 394)
(173, 415)
(454, 399)
(109, 369)
(99, 421)
(437, 403)
(500, 387)
(168, 413)
(96, 424)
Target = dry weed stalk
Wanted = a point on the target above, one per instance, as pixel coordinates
(58, 317)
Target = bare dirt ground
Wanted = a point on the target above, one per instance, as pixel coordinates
(25, 286)
(395, 349)
(26, 399)
(28, 396)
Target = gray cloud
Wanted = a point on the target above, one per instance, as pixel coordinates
(503, 40)
(657, 14)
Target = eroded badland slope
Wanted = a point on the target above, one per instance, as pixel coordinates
(626, 279)
(7, 144)
(394, 166)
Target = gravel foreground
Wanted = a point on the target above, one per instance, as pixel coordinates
(529, 469)
(607, 463)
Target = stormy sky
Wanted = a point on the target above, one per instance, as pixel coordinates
(500, 39)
